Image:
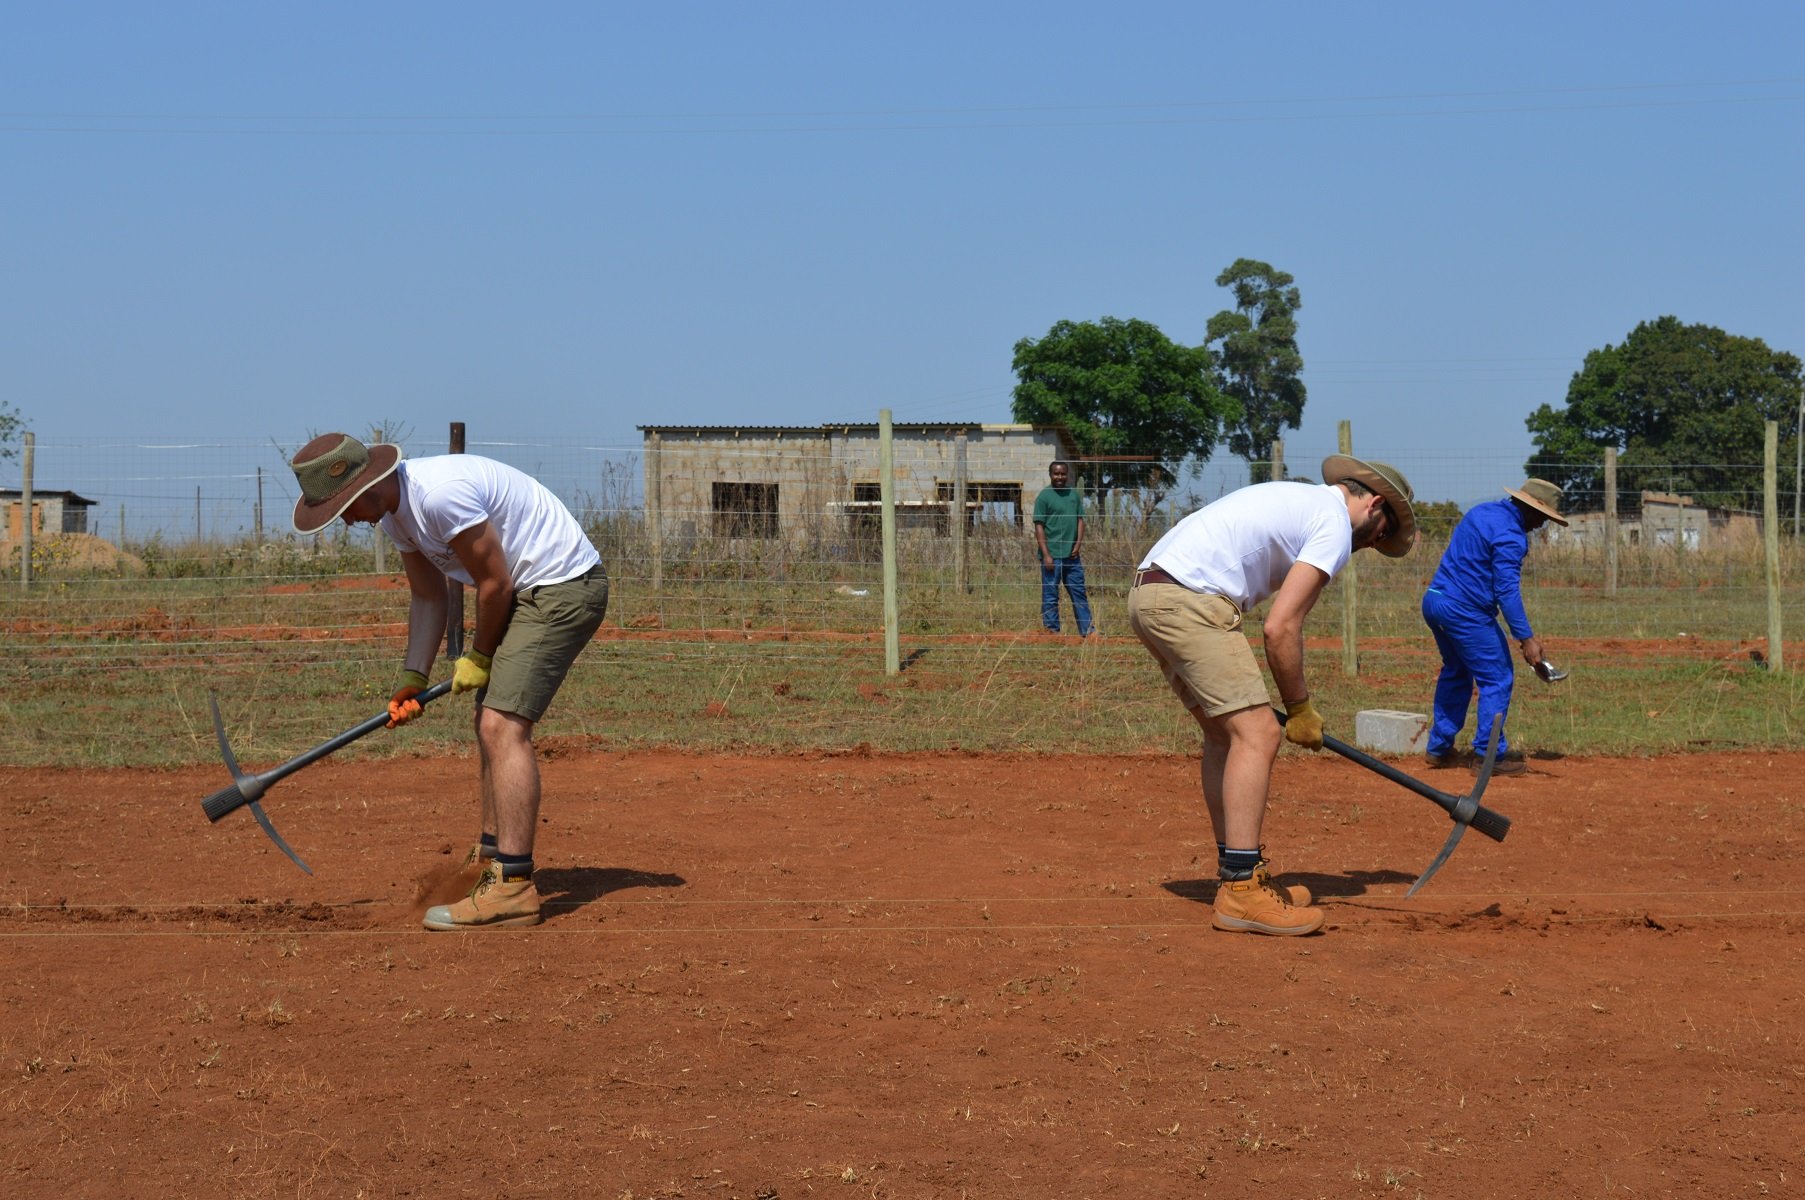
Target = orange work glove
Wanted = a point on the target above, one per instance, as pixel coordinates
(402, 705)
(1303, 724)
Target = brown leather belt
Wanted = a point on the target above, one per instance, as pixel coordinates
(1153, 574)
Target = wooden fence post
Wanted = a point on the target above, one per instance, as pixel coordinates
(886, 484)
(25, 531)
(1770, 532)
(956, 514)
(1610, 520)
(655, 510)
(454, 590)
(1350, 577)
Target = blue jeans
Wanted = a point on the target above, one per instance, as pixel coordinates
(1069, 571)
(1474, 654)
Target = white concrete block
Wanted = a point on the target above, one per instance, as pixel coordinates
(1387, 731)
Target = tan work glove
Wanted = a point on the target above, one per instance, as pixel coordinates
(471, 672)
(1303, 724)
(402, 705)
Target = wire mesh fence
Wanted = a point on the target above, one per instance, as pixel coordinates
(170, 570)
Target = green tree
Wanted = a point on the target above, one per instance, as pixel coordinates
(1136, 402)
(10, 422)
(1684, 405)
(1435, 519)
(1258, 360)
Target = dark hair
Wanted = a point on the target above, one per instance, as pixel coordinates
(1356, 489)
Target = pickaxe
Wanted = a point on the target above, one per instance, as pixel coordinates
(247, 788)
(1464, 810)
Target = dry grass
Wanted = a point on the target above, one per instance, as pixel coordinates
(763, 651)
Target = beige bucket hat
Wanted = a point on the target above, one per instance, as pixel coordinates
(333, 470)
(1390, 483)
(1542, 496)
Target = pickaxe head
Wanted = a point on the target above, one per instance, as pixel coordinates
(245, 790)
(1466, 810)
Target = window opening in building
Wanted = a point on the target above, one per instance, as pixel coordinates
(745, 510)
(995, 503)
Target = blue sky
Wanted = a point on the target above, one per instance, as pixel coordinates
(558, 221)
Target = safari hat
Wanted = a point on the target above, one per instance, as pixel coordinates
(334, 469)
(1390, 483)
(1542, 496)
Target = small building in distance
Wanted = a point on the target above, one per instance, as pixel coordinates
(801, 483)
(51, 513)
(1665, 519)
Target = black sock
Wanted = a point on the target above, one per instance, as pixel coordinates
(486, 845)
(515, 866)
(1233, 865)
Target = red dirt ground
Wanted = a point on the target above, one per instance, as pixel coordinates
(906, 976)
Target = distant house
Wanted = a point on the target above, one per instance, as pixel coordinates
(1665, 519)
(797, 482)
(51, 513)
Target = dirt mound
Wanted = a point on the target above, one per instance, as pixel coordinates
(75, 554)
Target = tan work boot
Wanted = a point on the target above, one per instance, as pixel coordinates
(472, 866)
(469, 872)
(491, 904)
(1297, 893)
(1257, 905)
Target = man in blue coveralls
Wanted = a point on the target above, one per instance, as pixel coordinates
(1481, 576)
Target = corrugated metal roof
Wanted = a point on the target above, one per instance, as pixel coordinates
(830, 426)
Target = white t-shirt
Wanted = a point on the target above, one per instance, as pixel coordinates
(445, 495)
(1243, 545)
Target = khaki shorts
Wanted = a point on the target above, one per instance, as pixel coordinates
(1198, 643)
(550, 626)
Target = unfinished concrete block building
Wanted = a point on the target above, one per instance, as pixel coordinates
(812, 482)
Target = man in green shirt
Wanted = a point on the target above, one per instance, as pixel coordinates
(1059, 529)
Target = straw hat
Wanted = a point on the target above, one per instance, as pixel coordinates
(1542, 496)
(1390, 483)
(334, 469)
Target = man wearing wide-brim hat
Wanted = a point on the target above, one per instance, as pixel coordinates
(1479, 579)
(541, 593)
(1286, 540)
